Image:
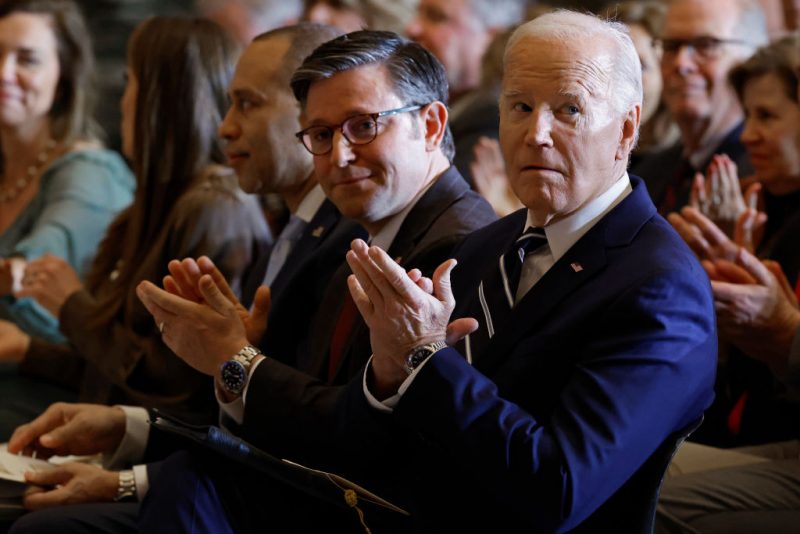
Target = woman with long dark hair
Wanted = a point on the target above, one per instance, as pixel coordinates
(187, 204)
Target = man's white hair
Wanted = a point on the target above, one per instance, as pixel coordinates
(571, 26)
(498, 14)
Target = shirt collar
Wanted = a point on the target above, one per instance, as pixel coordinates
(310, 204)
(561, 235)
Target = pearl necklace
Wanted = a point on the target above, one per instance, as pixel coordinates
(10, 192)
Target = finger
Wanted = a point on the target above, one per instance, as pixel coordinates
(730, 272)
(162, 305)
(214, 297)
(360, 298)
(441, 283)
(185, 274)
(752, 195)
(208, 267)
(49, 477)
(711, 269)
(25, 435)
(37, 500)
(743, 230)
(169, 285)
(425, 284)
(691, 235)
(697, 196)
(724, 292)
(391, 278)
(710, 231)
(259, 316)
(755, 268)
(414, 275)
(357, 265)
(459, 329)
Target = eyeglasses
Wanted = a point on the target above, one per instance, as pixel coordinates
(704, 47)
(358, 130)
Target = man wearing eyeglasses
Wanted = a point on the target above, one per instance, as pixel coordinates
(701, 41)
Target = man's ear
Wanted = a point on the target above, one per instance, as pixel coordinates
(435, 115)
(628, 132)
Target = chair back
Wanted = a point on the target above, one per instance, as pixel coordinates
(632, 509)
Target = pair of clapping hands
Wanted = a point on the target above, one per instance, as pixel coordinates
(756, 307)
(50, 281)
(718, 196)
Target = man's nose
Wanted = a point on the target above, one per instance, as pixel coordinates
(540, 129)
(341, 150)
(228, 129)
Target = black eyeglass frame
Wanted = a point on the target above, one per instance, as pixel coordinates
(374, 116)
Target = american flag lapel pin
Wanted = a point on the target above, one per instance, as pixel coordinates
(577, 267)
(318, 231)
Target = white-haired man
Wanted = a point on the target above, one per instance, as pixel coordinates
(245, 19)
(595, 343)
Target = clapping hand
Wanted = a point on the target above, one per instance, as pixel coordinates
(401, 314)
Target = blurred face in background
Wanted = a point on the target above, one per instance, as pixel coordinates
(695, 77)
(29, 69)
(651, 71)
(772, 133)
(335, 13)
(451, 32)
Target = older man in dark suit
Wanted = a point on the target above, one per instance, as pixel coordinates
(591, 328)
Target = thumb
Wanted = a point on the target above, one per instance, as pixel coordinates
(213, 296)
(259, 315)
(441, 282)
(459, 329)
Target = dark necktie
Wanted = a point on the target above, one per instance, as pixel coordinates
(496, 293)
(511, 263)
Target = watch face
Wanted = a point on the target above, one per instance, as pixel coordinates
(233, 375)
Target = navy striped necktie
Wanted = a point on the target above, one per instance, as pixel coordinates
(511, 262)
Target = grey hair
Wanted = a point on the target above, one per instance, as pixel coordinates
(416, 76)
(565, 25)
(499, 13)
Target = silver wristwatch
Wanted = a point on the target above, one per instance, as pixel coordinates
(233, 373)
(126, 490)
(420, 354)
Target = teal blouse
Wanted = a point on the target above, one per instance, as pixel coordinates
(79, 195)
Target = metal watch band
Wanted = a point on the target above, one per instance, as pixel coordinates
(235, 372)
(420, 354)
(126, 490)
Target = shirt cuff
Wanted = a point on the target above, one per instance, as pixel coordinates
(141, 481)
(235, 408)
(388, 405)
(132, 447)
(17, 265)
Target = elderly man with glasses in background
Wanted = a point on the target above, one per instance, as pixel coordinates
(701, 41)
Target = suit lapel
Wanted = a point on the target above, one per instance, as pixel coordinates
(582, 263)
(317, 229)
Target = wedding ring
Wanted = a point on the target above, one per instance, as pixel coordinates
(161, 327)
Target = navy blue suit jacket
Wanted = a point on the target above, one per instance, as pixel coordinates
(613, 350)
